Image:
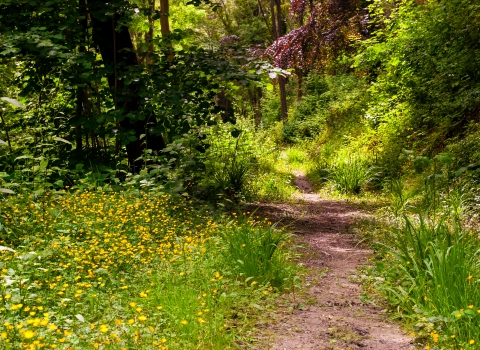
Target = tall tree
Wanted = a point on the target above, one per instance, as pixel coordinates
(330, 28)
(276, 13)
(118, 54)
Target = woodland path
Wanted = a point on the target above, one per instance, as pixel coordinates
(332, 316)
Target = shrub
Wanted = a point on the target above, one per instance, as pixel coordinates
(351, 175)
(257, 253)
(435, 271)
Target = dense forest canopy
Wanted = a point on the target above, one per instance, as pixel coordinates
(120, 80)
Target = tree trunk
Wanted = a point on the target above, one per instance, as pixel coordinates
(118, 55)
(149, 35)
(7, 135)
(164, 13)
(275, 8)
(264, 16)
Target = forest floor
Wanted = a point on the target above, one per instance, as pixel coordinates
(330, 313)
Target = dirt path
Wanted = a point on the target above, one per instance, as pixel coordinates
(334, 317)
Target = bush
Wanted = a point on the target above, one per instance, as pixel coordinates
(257, 254)
(329, 103)
(351, 175)
(240, 165)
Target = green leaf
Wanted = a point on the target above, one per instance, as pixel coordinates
(444, 158)
(6, 190)
(61, 140)
(12, 101)
(24, 157)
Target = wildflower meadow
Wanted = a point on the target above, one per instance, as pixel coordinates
(132, 270)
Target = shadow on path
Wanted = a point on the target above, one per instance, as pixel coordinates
(337, 318)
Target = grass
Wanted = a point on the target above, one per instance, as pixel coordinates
(248, 167)
(252, 251)
(427, 269)
(130, 270)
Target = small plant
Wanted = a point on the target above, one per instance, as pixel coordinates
(296, 156)
(232, 178)
(350, 176)
(400, 197)
(256, 253)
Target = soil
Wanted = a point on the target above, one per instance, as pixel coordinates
(331, 313)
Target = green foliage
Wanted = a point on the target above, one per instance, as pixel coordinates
(330, 103)
(433, 277)
(258, 254)
(240, 163)
(271, 109)
(132, 269)
(400, 197)
(295, 155)
(229, 160)
(424, 87)
(350, 176)
(428, 262)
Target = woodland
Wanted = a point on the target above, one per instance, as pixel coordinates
(136, 134)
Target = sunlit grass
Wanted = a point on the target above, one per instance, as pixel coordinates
(126, 270)
(427, 269)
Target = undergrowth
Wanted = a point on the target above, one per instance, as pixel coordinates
(242, 164)
(131, 270)
(427, 267)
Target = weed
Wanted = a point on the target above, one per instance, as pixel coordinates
(256, 253)
(350, 176)
(129, 269)
(295, 155)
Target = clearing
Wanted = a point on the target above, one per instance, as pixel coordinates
(334, 316)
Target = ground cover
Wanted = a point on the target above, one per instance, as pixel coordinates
(132, 270)
(426, 269)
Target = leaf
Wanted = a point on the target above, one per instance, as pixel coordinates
(2, 142)
(80, 318)
(61, 140)
(6, 190)
(235, 133)
(24, 157)
(6, 248)
(460, 171)
(12, 101)
(257, 306)
(272, 75)
(444, 158)
(269, 87)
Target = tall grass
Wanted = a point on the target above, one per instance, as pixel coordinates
(432, 271)
(257, 253)
(296, 156)
(350, 176)
(438, 269)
